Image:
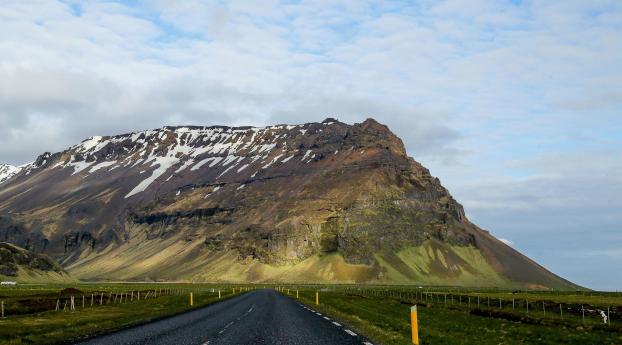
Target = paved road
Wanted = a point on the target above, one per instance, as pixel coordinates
(259, 317)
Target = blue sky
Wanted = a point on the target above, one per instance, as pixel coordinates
(515, 105)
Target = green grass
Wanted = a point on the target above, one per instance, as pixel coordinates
(51, 327)
(386, 320)
(380, 312)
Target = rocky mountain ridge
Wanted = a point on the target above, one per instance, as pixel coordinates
(7, 171)
(315, 202)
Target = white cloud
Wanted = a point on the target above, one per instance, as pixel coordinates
(515, 107)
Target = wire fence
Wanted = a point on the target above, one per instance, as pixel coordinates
(510, 307)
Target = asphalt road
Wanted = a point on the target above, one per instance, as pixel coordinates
(257, 318)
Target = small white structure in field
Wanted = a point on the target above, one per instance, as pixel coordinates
(8, 283)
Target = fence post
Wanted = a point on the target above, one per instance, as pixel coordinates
(73, 305)
(92, 299)
(101, 299)
(57, 304)
(543, 309)
(83, 301)
(317, 297)
(2, 309)
(608, 318)
(582, 314)
(414, 325)
(561, 313)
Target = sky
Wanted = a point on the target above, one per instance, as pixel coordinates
(515, 105)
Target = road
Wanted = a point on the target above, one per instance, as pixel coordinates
(260, 317)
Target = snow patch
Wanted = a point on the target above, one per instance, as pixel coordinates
(100, 166)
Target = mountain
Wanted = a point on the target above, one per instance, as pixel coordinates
(7, 171)
(318, 202)
(18, 264)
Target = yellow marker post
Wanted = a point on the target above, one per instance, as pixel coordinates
(414, 324)
(218, 294)
(234, 291)
(191, 301)
(288, 292)
(317, 297)
(296, 294)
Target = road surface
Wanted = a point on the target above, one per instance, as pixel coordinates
(261, 317)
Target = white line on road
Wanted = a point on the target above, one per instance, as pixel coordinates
(350, 332)
(336, 324)
(368, 343)
(326, 318)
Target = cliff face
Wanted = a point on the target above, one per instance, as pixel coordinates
(315, 202)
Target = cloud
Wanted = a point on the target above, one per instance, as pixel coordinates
(513, 105)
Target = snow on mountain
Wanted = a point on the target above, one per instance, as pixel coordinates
(7, 171)
(175, 150)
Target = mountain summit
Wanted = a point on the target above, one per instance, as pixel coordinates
(318, 202)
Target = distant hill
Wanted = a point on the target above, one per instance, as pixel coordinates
(316, 202)
(19, 264)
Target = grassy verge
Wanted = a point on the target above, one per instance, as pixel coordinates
(58, 327)
(386, 320)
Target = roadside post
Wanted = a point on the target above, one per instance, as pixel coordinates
(191, 301)
(414, 325)
(2, 309)
(218, 293)
(317, 297)
(296, 294)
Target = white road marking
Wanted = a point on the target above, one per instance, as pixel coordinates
(227, 326)
(326, 318)
(350, 332)
(368, 343)
(336, 324)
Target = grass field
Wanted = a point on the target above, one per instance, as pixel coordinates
(31, 316)
(446, 315)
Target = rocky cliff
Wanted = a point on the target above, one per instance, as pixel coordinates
(314, 202)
